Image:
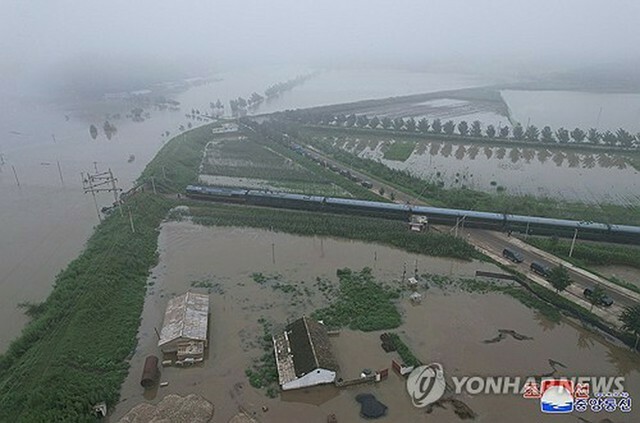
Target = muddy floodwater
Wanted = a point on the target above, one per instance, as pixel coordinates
(575, 175)
(448, 327)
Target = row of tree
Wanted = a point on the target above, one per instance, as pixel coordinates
(108, 128)
(531, 133)
(280, 87)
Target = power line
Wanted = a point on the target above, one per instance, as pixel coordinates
(101, 182)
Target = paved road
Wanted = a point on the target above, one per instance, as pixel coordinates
(495, 242)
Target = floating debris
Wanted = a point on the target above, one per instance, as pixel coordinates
(502, 334)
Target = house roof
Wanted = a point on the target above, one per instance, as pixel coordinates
(186, 317)
(310, 346)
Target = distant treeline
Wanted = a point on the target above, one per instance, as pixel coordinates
(620, 138)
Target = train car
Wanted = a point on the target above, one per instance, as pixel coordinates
(368, 208)
(230, 195)
(284, 200)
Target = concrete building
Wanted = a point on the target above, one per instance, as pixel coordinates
(185, 327)
(303, 355)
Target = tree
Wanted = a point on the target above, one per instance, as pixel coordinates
(351, 120)
(463, 128)
(398, 123)
(546, 135)
(436, 126)
(374, 122)
(423, 125)
(593, 136)
(563, 135)
(386, 122)
(630, 318)
(518, 132)
(93, 131)
(578, 135)
(449, 127)
(381, 191)
(559, 278)
(490, 131)
(504, 132)
(609, 138)
(410, 125)
(624, 138)
(362, 121)
(532, 133)
(597, 295)
(476, 129)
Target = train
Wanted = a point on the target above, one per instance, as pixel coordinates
(532, 225)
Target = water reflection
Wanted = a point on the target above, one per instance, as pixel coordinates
(582, 175)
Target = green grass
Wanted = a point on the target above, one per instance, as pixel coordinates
(387, 232)
(263, 374)
(400, 150)
(403, 350)
(72, 354)
(362, 304)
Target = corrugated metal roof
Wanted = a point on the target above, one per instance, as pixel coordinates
(185, 317)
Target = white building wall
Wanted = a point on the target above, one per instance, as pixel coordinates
(316, 377)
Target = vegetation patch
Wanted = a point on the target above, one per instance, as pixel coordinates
(263, 374)
(362, 304)
(387, 232)
(400, 150)
(393, 342)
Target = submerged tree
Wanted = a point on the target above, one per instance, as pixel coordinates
(410, 125)
(518, 132)
(546, 135)
(423, 125)
(449, 127)
(398, 123)
(476, 129)
(609, 138)
(624, 138)
(593, 136)
(490, 131)
(374, 122)
(436, 126)
(532, 133)
(93, 131)
(563, 135)
(578, 135)
(386, 122)
(463, 128)
(504, 132)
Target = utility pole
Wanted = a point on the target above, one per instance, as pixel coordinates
(16, 175)
(153, 184)
(60, 172)
(573, 242)
(101, 182)
(133, 229)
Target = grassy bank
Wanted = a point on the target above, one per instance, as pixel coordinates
(73, 353)
(387, 232)
(468, 199)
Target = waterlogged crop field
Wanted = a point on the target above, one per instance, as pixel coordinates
(237, 161)
(571, 174)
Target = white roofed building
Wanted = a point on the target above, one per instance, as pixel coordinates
(185, 325)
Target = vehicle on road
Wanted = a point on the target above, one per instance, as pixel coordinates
(605, 301)
(513, 255)
(540, 269)
(367, 184)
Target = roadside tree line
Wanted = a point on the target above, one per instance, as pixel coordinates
(531, 133)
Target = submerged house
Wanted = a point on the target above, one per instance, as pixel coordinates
(303, 355)
(185, 327)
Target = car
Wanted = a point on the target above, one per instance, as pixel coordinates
(367, 184)
(605, 301)
(513, 255)
(540, 269)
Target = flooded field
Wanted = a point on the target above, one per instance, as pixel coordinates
(41, 208)
(572, 109)
(573, 175)
(447, 327)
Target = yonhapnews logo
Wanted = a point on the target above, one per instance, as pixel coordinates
(426, 384)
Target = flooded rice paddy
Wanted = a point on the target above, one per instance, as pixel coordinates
(575, 175)
(448, 327)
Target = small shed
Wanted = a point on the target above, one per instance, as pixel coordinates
(185, 325)
(416, 298)
(413, 283)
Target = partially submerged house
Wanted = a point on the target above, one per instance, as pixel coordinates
(303, 355)
(185, 327)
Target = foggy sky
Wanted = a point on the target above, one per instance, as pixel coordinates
(38, 37)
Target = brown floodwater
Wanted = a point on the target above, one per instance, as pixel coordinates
(447, 327)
